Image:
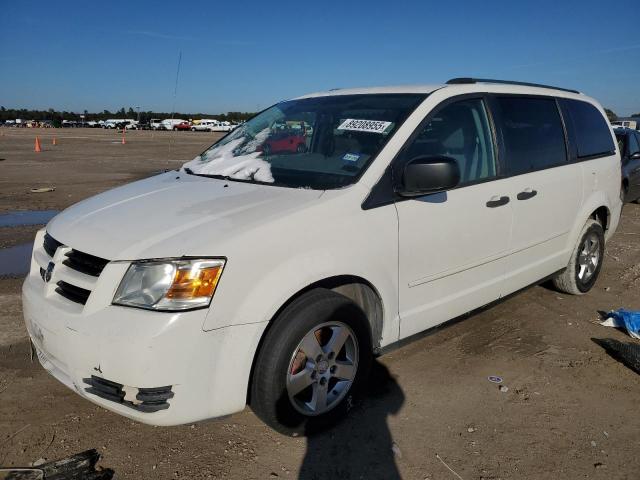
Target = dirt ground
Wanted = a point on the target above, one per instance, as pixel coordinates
(570, 411)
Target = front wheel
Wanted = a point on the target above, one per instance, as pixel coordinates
(585, 263)
(312, 363)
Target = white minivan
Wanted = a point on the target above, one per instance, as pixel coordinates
(272, 276)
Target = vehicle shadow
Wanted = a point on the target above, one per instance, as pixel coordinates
(361, 445)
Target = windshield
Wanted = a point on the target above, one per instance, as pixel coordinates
(319, 143)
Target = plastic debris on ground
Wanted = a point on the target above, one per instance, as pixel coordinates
(627, 353)
(627, 319)
(42, 190)
(76, 467)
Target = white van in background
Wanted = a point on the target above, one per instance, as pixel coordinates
(221, 126)
(204, 126)
(269, 273)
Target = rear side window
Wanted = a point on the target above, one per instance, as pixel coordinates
(591, 130)
(532, 132)
(634, 147)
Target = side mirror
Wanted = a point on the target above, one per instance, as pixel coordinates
(428, 174)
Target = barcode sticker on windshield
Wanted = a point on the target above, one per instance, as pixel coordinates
(371, 126)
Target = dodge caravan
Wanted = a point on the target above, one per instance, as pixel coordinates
(271, 278)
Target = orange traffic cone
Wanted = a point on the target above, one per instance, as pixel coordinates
(123, 140)
(54, 141)
(37, 147)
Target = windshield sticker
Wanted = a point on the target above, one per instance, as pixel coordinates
(371, 126)
(351, 157)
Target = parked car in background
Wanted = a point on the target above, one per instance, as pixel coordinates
(155, 123)
(629, 144)
(182, 126)
(285, 142)
(131, 125)
(276, 279)
(204, 126)
(169, 123)
(118, 123)
(632, 123)
(143, 126)
(221, 127)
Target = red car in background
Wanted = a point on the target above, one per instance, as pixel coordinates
(182, 126)
(285, 142)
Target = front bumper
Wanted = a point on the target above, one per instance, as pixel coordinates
(207, 372)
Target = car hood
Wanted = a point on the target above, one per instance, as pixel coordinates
(172, 215)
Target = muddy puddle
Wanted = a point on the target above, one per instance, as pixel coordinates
(15, 261)
(19, 218)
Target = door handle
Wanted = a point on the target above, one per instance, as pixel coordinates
(527, 194)
(497, 201)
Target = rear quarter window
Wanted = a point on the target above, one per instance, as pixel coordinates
(591, 131)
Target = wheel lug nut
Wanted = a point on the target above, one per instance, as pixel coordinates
(333, 369)
(323, 381)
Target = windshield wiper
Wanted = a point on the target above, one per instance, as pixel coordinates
(208, 175)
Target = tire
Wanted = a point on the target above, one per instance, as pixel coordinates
(193, 129)
(175, 129)
(301, 148)
(282, 367)
(585, 263)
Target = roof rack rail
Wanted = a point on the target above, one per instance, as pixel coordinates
(467, 80)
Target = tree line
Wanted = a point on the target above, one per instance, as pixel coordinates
(57, 116)
(611, 115)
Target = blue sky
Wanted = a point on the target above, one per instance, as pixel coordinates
(239, 55)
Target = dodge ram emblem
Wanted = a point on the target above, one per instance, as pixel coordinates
(48, 272)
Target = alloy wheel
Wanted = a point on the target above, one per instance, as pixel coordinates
(589, 257)
(322, 368)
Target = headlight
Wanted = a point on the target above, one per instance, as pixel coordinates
(170, 284)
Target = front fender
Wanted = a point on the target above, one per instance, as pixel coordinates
(263, 273)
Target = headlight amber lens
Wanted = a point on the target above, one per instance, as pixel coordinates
(194, 282)
(170, 285)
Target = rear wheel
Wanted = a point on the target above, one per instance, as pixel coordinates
(585, 263)
(312, 364)
(301, 148)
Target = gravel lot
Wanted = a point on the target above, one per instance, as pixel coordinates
(570, 410)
